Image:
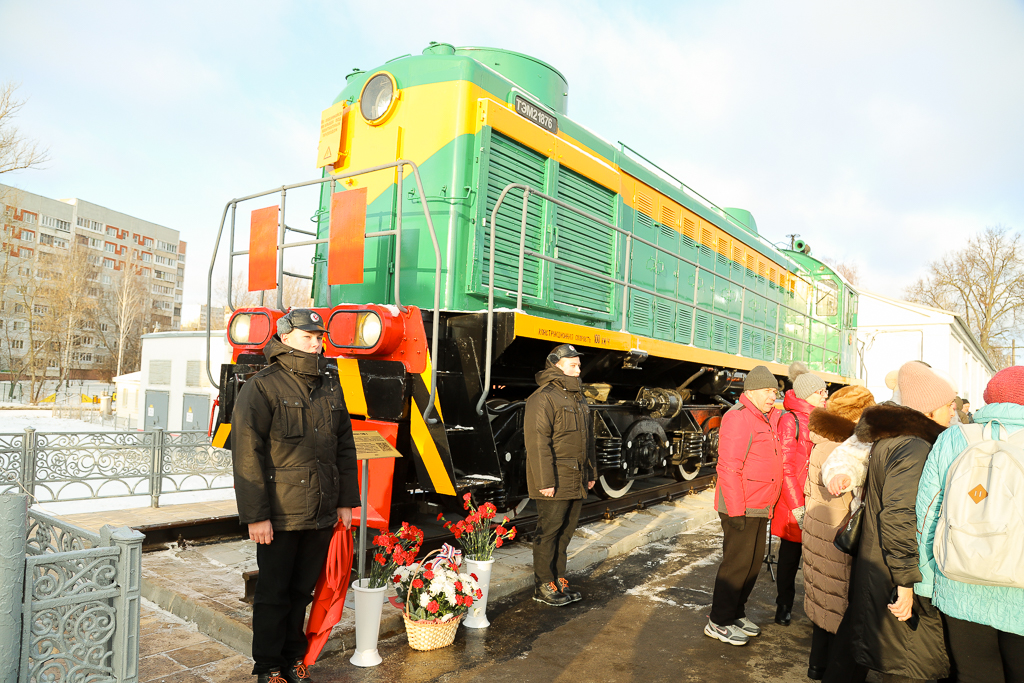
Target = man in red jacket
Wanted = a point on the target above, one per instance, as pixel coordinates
(749, 486)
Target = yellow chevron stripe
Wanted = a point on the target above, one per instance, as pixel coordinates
(352, 385)
(428, 452)
(425, 376)
(221, 437)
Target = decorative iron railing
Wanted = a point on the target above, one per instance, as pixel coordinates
(80, 613)
(75, 466)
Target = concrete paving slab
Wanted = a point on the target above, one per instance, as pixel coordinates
(203, 584)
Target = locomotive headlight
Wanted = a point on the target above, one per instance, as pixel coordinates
(248, 329)
(368, 329)
(240, 329)
(378, 98)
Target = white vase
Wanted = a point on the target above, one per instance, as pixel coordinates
(477, 616)
(369, 603)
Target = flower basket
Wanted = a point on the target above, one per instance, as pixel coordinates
(428, 634)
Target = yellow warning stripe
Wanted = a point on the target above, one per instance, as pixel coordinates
(425, 376)
(352, 386)
(220, 439)
(429, 454)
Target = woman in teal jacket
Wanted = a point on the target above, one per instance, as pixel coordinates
(985, 624)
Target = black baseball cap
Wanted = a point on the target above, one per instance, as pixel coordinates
(301, 319)
(563, 351)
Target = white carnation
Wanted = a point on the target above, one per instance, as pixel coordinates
(425, 599)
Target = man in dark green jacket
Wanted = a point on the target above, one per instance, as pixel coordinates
(295, 479)
(559, 469)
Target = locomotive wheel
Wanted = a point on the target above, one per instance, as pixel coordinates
(686, 470)
(613, 485)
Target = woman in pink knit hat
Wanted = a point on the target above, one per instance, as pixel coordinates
(890, 629)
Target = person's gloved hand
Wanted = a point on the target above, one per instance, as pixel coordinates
(799, 514)
(738, 523)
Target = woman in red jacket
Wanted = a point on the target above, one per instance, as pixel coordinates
(808, 392)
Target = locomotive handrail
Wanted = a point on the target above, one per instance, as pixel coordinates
(281, 246)
(624, 282)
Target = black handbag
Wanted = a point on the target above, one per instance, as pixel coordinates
(847, 537)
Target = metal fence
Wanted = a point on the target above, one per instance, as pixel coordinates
(80, 613)
(93, 415)
(75, 466)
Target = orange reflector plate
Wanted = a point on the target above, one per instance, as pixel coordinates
(263, 249)
(348, 233)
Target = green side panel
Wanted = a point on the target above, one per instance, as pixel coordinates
(541, 80)
(718, 333)
(770, 341)
(664, 319)
(753, 309)
(668, 238)
(707, 257)
(702, 329)
(723, 264)
(667, 273)
(815, 357)
(584, 243)
(641, 313)
(684, 324)
(771, 315)
(687, 280)
(732, 329)
(723, 295)
(688, 248)
(510, 162)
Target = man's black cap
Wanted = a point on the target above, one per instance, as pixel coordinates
(300, 319)
(563, 351)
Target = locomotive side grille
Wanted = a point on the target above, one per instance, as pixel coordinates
(684, 324)
(690, 231)
(663, 319)
(511, 162)
(584, 243)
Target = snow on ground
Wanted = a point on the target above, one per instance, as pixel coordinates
(15, 421)
(74, 507)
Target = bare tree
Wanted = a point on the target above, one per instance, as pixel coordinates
(850, 270)
(72, 300)
(983, 282)
(16, 151)
(297, 292)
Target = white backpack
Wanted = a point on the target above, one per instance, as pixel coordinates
(980, 534)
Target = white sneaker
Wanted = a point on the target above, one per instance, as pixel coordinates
(727, 634)
(748, 627)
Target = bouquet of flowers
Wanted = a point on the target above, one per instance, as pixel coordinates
(437, 590)
(392, 552)
(475, 533)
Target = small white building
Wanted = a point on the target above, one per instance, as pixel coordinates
(126, 408)
(175, 391)
(891, 332)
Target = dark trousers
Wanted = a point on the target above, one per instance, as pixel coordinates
(982, 653)
(556, 523)
(289, 568)
(842, 667)
(821, 641)
(742, 555)
(789, 562)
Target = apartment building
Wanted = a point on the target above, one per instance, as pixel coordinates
(38, 230)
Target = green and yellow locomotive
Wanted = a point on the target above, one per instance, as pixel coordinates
(467, 225)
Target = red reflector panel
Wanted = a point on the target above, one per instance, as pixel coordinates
(341, 328)
(348, 231)
(263, 249)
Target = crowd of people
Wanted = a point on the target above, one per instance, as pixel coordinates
(931, 586)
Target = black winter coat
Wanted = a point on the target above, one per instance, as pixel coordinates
(292, 448)
(557, 427)
(887, 556)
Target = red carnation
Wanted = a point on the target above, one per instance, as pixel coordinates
(440, 516)
(458, 586)
(416, 583)
(396, 579)
(497, 543)
(428, 575)
(379, 559)
(432, 606)
(511, 533)
(479, 594)
(501, 530)
(475, 578)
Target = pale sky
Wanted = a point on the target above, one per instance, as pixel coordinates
(883, 133)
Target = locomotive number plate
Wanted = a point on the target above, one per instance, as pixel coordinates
(528, 110)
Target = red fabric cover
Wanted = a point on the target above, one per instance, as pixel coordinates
(329, 598)
(378, 505)
(749, 461)
(796, 450)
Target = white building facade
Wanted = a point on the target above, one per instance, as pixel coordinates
(175, 392)
(891, 332)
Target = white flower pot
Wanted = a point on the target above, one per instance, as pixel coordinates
(477, 616)
(369, 603)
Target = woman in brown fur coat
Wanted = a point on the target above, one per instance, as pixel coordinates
(826, 569)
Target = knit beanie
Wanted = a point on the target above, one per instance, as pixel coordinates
(922, 389)
(1006, 386)
(804, 381)
(850, 402)
(760, 378)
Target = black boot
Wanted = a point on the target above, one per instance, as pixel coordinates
(784, 615)
(297, 673)
(547, 593)
(572, 594)
(270, 677)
